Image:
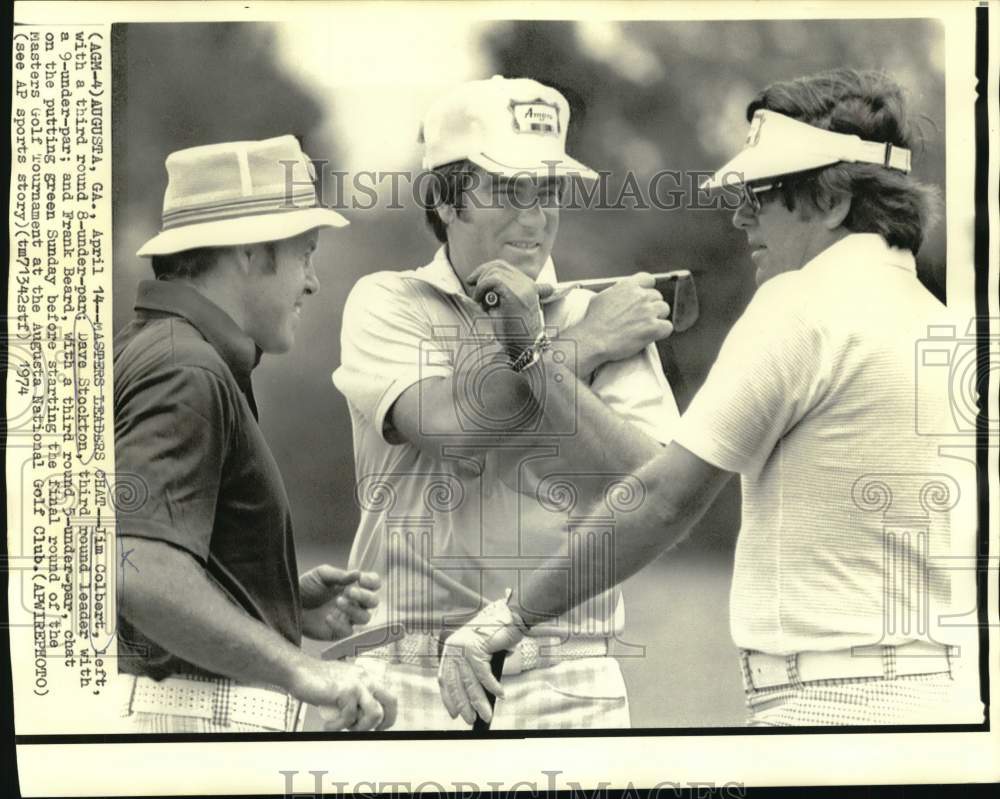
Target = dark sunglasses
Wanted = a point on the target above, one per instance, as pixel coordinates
(753, 192)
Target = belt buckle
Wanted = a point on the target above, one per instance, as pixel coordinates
(767, 671)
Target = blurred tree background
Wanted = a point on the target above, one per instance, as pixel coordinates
(645, 96)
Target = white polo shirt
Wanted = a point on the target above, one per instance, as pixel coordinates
(446, 539)
(813, 400)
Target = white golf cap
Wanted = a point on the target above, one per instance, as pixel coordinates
(509, 126)
(243, 192)
(779, 145)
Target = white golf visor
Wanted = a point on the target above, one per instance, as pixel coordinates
(779, 145)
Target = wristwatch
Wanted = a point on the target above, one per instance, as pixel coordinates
(532, 354)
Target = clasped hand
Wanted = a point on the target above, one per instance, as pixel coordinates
(620, 322)
(517, 320)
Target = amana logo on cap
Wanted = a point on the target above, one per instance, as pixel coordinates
(536, 116)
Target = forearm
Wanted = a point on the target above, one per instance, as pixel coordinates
(484, 405)
(173, 602)
(678, 487)
(587, 358)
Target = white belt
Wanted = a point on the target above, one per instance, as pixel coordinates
(217, 699)
(422, 649)
(888, 662)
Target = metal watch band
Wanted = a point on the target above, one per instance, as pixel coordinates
(532, 354)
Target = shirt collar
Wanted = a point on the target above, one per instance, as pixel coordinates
(440, 274)
(235, 347)
(867, 248)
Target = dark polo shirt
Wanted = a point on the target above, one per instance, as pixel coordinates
(193, 468)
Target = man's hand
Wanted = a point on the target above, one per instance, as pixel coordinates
(177, 605)
(346, 695)
(620, 322)
(334, 600)
(465, 661)
(517, 320)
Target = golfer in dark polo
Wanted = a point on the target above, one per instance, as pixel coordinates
(211, 608)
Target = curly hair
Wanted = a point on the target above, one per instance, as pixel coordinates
(871, 105)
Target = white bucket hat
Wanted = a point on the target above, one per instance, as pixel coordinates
(507, 126)
(779, 145)
(240, 192)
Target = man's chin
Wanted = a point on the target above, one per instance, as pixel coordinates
(764, 273)
(278, 346)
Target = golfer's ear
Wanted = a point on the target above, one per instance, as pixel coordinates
(255, 258)
(446, 213)
(835, 211)
(242, 256)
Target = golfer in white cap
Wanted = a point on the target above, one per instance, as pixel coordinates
(211, 608)
(836, 609)
(472, 386)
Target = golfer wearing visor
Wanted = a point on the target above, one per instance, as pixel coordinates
(812, 402)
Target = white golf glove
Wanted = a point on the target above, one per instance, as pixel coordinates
(464, 671)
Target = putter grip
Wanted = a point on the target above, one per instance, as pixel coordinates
(496, 666)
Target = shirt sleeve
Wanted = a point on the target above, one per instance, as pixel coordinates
(385, 346)
(172, 435)
(773, 368)
(635, 388)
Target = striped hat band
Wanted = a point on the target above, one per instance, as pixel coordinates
(250, 206)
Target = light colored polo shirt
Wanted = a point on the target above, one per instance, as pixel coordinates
(449, 534)
(846, 506)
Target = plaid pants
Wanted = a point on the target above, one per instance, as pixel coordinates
(904, 699)
(585, 693)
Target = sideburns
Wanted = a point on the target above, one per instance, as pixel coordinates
(272, 256)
